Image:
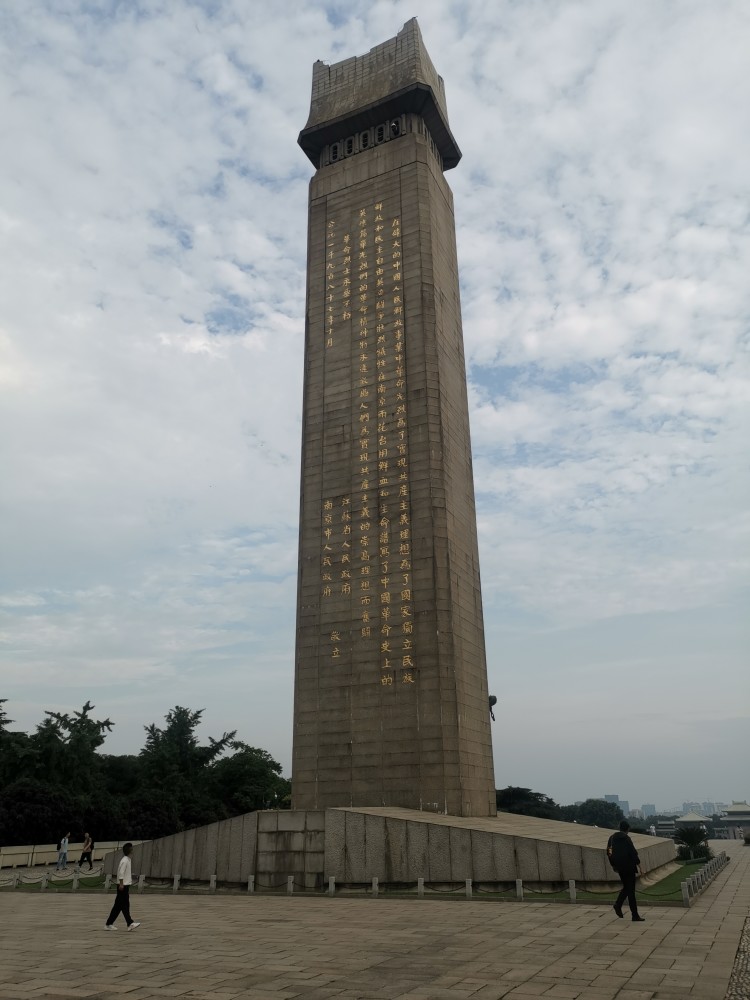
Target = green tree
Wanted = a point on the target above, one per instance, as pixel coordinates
(597, 812)
(4, 720)
(174, 752)
(524, 802)
(247, 780)
(57, 779)
(65, 748)
(15, 753)
(34, 812)
(177, 768)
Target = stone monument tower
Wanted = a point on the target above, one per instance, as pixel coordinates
(391, 701)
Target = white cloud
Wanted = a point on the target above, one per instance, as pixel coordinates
(151, 337)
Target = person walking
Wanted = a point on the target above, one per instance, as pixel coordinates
(623, 857)
(62, 853)
(122, 901)
(88, 847)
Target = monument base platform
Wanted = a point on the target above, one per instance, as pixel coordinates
(398, 846)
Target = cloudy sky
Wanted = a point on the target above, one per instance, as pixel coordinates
(152, 228)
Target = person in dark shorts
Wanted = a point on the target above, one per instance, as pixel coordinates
(623, 857)
(88, 847)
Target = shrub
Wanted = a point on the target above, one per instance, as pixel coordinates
(692, 841)
(702, 852)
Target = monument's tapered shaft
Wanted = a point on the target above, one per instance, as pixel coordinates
(391, 701)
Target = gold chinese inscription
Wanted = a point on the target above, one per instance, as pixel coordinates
(366, 544)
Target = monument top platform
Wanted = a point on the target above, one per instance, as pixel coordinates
(394, 77)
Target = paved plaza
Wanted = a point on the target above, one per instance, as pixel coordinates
(218, 948)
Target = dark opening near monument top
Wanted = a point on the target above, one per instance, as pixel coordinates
(391, 700)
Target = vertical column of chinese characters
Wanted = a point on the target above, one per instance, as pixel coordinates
(383, 388)
(328, 566)
(331, 283)
(345, 564)
(365, 419)
(327, 527)
(345, 507)
(336, 512)
(403, 647)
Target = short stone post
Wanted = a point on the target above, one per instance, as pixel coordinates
(374, 886)
(212, 884)
(519, 888)
(572, 889)
(289, 885)
(331, 885)
(251, 883)
(468, 888)
(74, 887)
(45, 881)
(107, 882)
(685, 893)
(15, 880)
(176, 883)
(141, 883)
(420, 887)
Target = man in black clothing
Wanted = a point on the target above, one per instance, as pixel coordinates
(623, 857)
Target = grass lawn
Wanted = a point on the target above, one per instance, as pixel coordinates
(665, 892)
(33, 883)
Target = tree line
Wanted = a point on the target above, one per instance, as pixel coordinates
(592, 812)
(57, 779)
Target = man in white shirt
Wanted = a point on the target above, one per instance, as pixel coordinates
(62, 853)
(122, 902)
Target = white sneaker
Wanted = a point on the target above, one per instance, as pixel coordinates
(136, 923)
(110, 927)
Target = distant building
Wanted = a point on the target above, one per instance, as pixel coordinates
(691, 819)
(665, 828)
(622, 803)
(648, 809)
(737, 819)
(708, 808)
(691, 807)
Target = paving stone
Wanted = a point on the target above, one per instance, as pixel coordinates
(299, 948)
